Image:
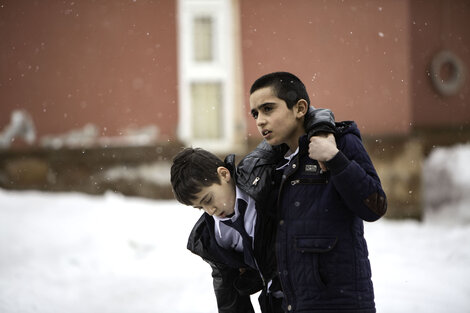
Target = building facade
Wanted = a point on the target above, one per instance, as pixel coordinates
(81, 74)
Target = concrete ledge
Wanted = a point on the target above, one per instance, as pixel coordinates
(136, 171)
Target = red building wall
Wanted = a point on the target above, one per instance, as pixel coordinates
(68, 63)
(353, 56)
(114, 63)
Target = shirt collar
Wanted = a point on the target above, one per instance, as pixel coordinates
(288, 156)
(240, 194)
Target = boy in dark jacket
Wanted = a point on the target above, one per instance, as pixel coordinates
(236, 233)
(229, 232)
(326, 187)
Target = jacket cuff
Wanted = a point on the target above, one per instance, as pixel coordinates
(338, 163)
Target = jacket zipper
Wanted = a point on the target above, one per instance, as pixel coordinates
(288, 301)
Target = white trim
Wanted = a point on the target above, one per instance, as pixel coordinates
(220, 70)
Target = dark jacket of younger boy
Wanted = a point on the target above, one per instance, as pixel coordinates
(232, 288)
(321, 251)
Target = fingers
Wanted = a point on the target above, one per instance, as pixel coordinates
(322, 148)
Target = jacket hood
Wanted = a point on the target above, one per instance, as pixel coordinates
(347, 127)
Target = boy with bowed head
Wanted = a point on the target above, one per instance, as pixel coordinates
(325, 187)
(229, 235)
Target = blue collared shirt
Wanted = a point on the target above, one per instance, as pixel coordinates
(226, 236)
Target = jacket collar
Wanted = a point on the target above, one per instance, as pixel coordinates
(202, 242)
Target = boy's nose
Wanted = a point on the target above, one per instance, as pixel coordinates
(260, 121)
(210, 210)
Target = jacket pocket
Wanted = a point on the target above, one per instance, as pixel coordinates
(312, 250)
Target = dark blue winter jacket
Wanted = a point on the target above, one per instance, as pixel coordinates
(320, 247)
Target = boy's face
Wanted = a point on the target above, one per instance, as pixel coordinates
(275, 121)
(218, 200)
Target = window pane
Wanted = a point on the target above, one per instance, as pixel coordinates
(203, 35)
(207, 120)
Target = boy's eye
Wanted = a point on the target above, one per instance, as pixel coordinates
(254, 114)
(267, 109)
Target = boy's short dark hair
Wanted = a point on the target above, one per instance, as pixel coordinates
(193, 169)
(286, 86)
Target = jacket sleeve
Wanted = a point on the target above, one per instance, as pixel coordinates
(225, 278)
(229, 300)
(356, 180)
(319, 121)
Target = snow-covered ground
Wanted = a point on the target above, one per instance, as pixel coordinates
(79, 253)
(76, 253)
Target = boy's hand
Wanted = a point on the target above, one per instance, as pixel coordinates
(322, 148)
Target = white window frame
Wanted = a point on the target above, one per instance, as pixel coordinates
(219, 70)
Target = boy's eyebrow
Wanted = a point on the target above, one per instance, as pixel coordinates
(262, 105)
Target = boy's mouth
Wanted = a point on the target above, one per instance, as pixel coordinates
(265, 132)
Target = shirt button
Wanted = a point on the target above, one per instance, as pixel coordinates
(281, 222)
(289, 307)
(294, 165)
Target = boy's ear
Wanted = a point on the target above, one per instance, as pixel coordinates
(224, 173)
(301, 108)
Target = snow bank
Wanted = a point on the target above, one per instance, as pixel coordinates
(21, 126)
(446, 185)
(74, 253)
(77, 253)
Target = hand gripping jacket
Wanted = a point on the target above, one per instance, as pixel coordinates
(232, 288)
